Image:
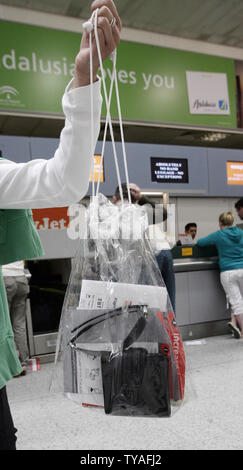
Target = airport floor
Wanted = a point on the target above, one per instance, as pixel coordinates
(211, 417)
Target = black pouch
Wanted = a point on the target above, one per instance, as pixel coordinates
(135, 381)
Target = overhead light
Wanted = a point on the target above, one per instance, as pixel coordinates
(213, 137)
(152, 193)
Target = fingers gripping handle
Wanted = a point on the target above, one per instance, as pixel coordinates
(88, 26)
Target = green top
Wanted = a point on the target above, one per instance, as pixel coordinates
(18, 240)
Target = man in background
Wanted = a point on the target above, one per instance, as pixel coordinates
(191, 230)
(190, 234)
(161, 245)
(239, 210)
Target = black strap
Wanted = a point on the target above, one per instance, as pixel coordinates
(134, 333)
(132, 336)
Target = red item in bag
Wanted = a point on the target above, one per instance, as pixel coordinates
(176, 353)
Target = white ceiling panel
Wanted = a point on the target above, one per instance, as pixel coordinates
(216, 21)
(53, 6)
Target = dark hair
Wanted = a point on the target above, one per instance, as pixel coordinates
(239, 204)
(124, 191)
(160, 216)
(189, 225)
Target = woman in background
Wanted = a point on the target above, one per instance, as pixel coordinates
(229, 243)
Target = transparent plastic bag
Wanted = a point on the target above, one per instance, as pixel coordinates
(119, 347)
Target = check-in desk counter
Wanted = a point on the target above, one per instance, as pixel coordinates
(48, 283)
(201, 308)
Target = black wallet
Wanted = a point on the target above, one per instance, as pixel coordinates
(135, 381)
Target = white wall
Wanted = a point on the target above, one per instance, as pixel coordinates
(204, 211)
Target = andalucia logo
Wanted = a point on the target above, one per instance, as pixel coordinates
(223, 105)
(9, 97)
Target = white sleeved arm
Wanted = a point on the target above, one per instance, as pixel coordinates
(64, 178)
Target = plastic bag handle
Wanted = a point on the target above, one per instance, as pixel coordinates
(134, 333)
(131, 337)
(91, 25)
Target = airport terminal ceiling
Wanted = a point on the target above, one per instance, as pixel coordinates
(212, 21)
(215, 21)
(41, 127)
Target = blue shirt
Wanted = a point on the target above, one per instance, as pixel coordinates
(229, 243)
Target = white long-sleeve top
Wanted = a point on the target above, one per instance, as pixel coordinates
(13, 269)
(159, 240)
(63, 179)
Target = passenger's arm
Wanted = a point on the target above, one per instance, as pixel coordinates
(209, 240)
(64, 178)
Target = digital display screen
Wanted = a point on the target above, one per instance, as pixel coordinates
(169, 170)
(235, 173)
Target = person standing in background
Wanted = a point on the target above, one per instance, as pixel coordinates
(160, 243)
(190, 234)
(17, 289)
(239, 210)
(191, 230)
(229, 243)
